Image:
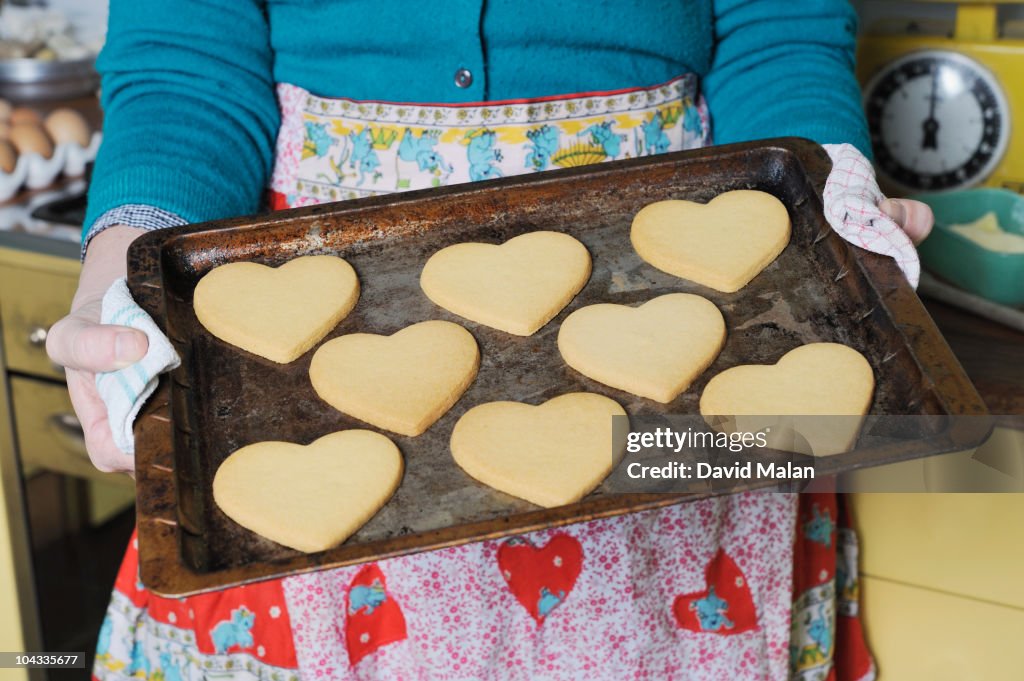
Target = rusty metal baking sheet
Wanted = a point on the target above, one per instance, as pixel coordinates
(222, 398)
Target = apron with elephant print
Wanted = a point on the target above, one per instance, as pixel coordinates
(336, 149)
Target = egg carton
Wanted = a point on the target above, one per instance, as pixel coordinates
(34, 171)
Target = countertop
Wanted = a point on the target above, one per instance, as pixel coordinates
(992, 355)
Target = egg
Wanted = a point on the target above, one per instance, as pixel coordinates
(8, 157)
(67, 125)
(21, 114)
(5, 110)
(28, 138)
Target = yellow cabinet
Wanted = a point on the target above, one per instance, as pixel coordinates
(966, 544)
(31, 300)
(38, 431)
(921, 635)
(11, 636)
(942, 593)
(49, 435)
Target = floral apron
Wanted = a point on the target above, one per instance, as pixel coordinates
(702, 590)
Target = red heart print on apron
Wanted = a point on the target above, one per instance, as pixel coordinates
(541, 578)
(373, 618)
(725, 607)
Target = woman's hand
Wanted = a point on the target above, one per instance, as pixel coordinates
(85, 347)
(856, 208)
(913, 217)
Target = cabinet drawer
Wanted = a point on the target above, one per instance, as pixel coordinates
(966, 544)
(921, 635)
(30, 302)
(48, 434)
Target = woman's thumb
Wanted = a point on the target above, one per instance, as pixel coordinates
(81, 344)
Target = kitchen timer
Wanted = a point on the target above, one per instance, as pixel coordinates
(941, 99)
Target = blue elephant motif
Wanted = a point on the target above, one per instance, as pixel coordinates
(368, 597)
(820, 528)
(820, 631)
(711, 612)
(548, 601)
(234, 632)
(363, 155)
(421, 150)
(103, 642)
(140, 663)
(482, 156)
(172, 672)
(317, 139)
(691, 121)
(543, 145)
(655, 139)
(603, 136)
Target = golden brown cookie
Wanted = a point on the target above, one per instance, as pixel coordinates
(722, 244)
(654, 350)
(402, 382)
(311, 497)
(278, 313)
(552, 454)
(516, 287)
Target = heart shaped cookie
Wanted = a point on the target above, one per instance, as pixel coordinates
(516, 287)
(722, 244)
(276, 313)
(311, 497)
(655, 350)
(812, 401)
(403, 382)
(551, 455)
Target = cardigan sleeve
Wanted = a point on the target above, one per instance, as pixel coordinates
(785, 67)
(190, 114)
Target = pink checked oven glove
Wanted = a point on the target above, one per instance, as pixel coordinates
(851, 200)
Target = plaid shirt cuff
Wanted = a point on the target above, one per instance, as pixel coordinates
(132, 215)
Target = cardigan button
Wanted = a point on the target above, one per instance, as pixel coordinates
(463, 78)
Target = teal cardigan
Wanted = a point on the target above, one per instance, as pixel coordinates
(188, 86)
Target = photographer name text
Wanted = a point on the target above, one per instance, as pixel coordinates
(706, 471)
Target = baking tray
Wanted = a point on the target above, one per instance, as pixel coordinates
(222, 398)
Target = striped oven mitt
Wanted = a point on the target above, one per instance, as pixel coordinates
(125, 391)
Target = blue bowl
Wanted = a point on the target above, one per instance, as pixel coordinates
(990, 274)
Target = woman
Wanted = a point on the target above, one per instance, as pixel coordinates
(210, 103)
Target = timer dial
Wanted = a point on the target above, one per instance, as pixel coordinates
(938, 120)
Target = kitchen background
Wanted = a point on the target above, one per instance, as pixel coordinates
(942, 596)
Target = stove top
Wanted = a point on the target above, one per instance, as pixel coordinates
(50, 214)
